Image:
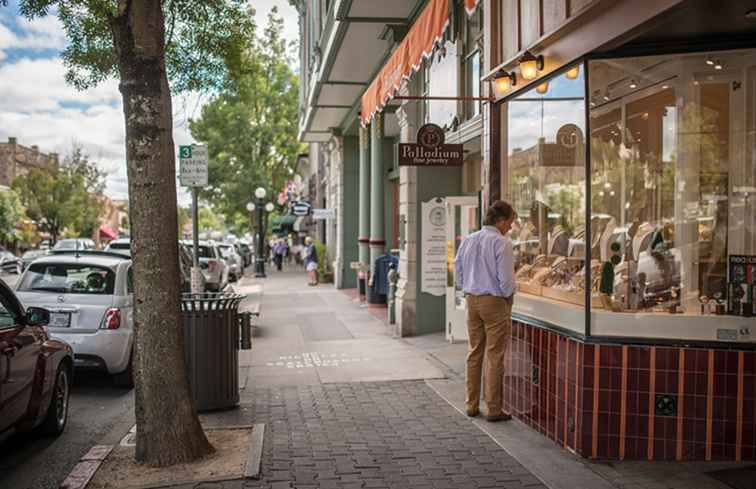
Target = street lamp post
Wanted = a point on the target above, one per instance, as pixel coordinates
(260, 206)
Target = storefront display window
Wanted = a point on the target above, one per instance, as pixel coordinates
(673, 175)
(545, 181)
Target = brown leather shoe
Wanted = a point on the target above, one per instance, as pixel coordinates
(498, 417)
(472, 412)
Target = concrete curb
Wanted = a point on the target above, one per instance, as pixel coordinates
(85, 469)
(254, 457)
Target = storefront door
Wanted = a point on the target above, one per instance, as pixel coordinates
(461, 220)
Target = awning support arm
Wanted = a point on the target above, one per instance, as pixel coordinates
(416, 97)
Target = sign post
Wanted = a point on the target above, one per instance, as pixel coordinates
(193, 160)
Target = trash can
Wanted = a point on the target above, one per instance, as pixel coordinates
(211, 348)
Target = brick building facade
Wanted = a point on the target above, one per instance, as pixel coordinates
(16, 160)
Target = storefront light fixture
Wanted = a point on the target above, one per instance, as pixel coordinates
(543, 88)
(606, 96)
(530, 65)
(572, 73)
(709, 61)
(718, 65)
(633, 84)
(503, 81)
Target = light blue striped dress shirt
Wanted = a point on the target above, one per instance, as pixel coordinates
(485, 264)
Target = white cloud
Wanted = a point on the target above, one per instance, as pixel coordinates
(30, 85)
(42, 33)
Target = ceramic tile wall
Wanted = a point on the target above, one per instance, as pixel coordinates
(632, 401)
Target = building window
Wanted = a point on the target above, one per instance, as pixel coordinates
(673, 180)
(545, 181)
(472, 61)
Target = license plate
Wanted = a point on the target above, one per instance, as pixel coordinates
(60, 320)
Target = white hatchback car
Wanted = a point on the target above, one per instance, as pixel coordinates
(90, 298)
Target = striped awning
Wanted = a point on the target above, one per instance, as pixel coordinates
(418, 44)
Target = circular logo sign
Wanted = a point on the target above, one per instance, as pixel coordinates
(569, 136)
(430, 136)
(437, 216)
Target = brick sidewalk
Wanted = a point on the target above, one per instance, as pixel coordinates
(373, 435)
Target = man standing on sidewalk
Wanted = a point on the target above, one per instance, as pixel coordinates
(484, 270)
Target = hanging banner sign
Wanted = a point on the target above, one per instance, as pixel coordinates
(430, 150)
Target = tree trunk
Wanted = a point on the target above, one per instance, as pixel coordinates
(168, 428)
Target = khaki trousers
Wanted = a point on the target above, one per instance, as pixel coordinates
(489, 324)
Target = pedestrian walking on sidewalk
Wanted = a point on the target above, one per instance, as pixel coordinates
(311, 261)
(484, 271)
(279, 251)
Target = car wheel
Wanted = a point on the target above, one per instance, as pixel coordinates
(126, 378)
(57, 411)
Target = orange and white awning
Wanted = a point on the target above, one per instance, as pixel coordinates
(418, 44)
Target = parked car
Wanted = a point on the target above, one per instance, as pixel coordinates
(10, 263)
(31, 255)
(36, 370)
(214, 268)
(185, 267)
(233, 260)
(245, 251)
(90, 298)
(74, 244)
(120, 245)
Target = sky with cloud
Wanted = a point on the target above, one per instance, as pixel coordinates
(39, 108)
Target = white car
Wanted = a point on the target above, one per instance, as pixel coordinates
(90, 298)
(234, 261)
(120, 245)
(214, 267)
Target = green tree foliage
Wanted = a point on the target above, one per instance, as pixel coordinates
(11, 212)
(202, 39)
(64, 198)
(250, 127)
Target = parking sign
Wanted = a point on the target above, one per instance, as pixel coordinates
(193, 165)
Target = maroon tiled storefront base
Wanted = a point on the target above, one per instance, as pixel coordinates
(633, 401)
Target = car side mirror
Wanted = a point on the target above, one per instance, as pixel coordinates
(37, 316)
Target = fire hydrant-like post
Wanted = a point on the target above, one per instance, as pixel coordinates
(393, 278)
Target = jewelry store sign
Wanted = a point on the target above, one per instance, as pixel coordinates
(433, 247)
(430, 150)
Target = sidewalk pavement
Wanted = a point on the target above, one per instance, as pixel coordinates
(346, 405)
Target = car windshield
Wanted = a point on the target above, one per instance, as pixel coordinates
(66, 244)
(33, 253)
(225, 250)
(68, 278)
(203, 251)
